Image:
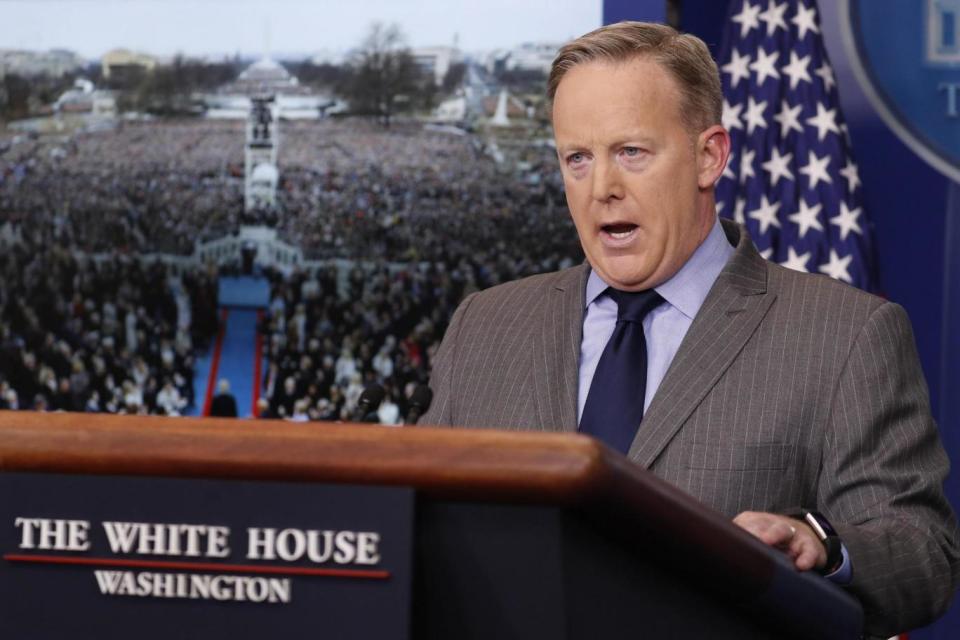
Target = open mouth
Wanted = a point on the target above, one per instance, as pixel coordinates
(619, 230)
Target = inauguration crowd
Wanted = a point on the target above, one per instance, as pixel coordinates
(144, 187)
(111, 335)
(404, 222)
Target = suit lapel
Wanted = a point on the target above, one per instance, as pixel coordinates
(733, 309)
(556, 351)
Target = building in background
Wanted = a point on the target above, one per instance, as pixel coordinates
(529, 56)
(56, 62)
(436, 60)
(85, 98)
(122, 67)
(266, 76)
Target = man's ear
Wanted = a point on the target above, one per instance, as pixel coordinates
(713, 151)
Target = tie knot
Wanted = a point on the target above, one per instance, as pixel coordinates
(633, 306)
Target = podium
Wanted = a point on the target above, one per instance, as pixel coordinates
(515, 534)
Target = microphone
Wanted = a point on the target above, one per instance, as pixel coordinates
(420, 401)
(368, 403)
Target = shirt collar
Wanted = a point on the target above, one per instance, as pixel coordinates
(687, 288)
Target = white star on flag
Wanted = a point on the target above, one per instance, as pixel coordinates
(773, 16)
(789, 118)
(746, 166)
(765, 65)
(806, 20)
(807, 217)
(852, 175)
(826, 74)
(838, 267)
(731, 116)
(797, 69)
(847, 220)
(748, 18)
(825, 121)
(766, 214)
(754, 115)
(727, 170)
(738, 68)
(778, 166)
(795, 262)
(738, 216)
(816, 169)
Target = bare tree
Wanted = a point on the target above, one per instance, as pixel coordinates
(384, 77)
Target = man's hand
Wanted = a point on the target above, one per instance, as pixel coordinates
(793, 537)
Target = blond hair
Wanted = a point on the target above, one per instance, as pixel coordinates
(683, 56)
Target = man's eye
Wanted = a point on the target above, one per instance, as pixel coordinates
(575, 158)
(632, 152)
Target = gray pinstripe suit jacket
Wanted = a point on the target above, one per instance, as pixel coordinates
(790, 390)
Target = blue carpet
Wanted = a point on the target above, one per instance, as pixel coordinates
(244, 291)
(237, 357)
(244, 295)
(236, 365)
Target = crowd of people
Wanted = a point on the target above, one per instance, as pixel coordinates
(347, 189)
(424, 217)
(327, 341)
(434, 197)
(99, 335)
(143, 187)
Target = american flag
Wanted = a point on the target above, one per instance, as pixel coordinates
(791, 178)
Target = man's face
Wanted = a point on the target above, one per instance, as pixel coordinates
(638, 183)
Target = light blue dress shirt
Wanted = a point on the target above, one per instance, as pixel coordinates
(664, 327)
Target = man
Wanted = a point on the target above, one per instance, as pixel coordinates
(224, 404)
(766, 391)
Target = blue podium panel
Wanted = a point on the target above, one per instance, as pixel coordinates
(121, 557)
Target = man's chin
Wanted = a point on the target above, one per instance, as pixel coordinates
(626, 279)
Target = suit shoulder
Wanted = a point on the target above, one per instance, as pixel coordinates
(842, 314)
(524, 295)
(821, 292)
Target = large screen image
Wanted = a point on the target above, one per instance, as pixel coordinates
(264, 208)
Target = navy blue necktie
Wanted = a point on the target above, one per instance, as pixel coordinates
(614, 406)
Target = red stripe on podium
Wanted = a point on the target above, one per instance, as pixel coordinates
(371, 574)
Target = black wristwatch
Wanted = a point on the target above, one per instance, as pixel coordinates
(828, 536)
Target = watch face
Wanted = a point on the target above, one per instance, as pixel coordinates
(820, 525)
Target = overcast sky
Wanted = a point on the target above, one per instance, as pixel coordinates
(199, 27)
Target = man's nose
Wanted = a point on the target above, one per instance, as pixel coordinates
(607, 184)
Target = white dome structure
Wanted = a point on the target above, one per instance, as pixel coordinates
(269, 72)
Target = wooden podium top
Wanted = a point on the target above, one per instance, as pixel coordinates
(566, 470)
(482, 464)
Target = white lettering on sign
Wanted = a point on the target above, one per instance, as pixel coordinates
(951, 89)
(291, 545)
(367, 543)
(194, 587)
(53, 534)
(168, 539)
